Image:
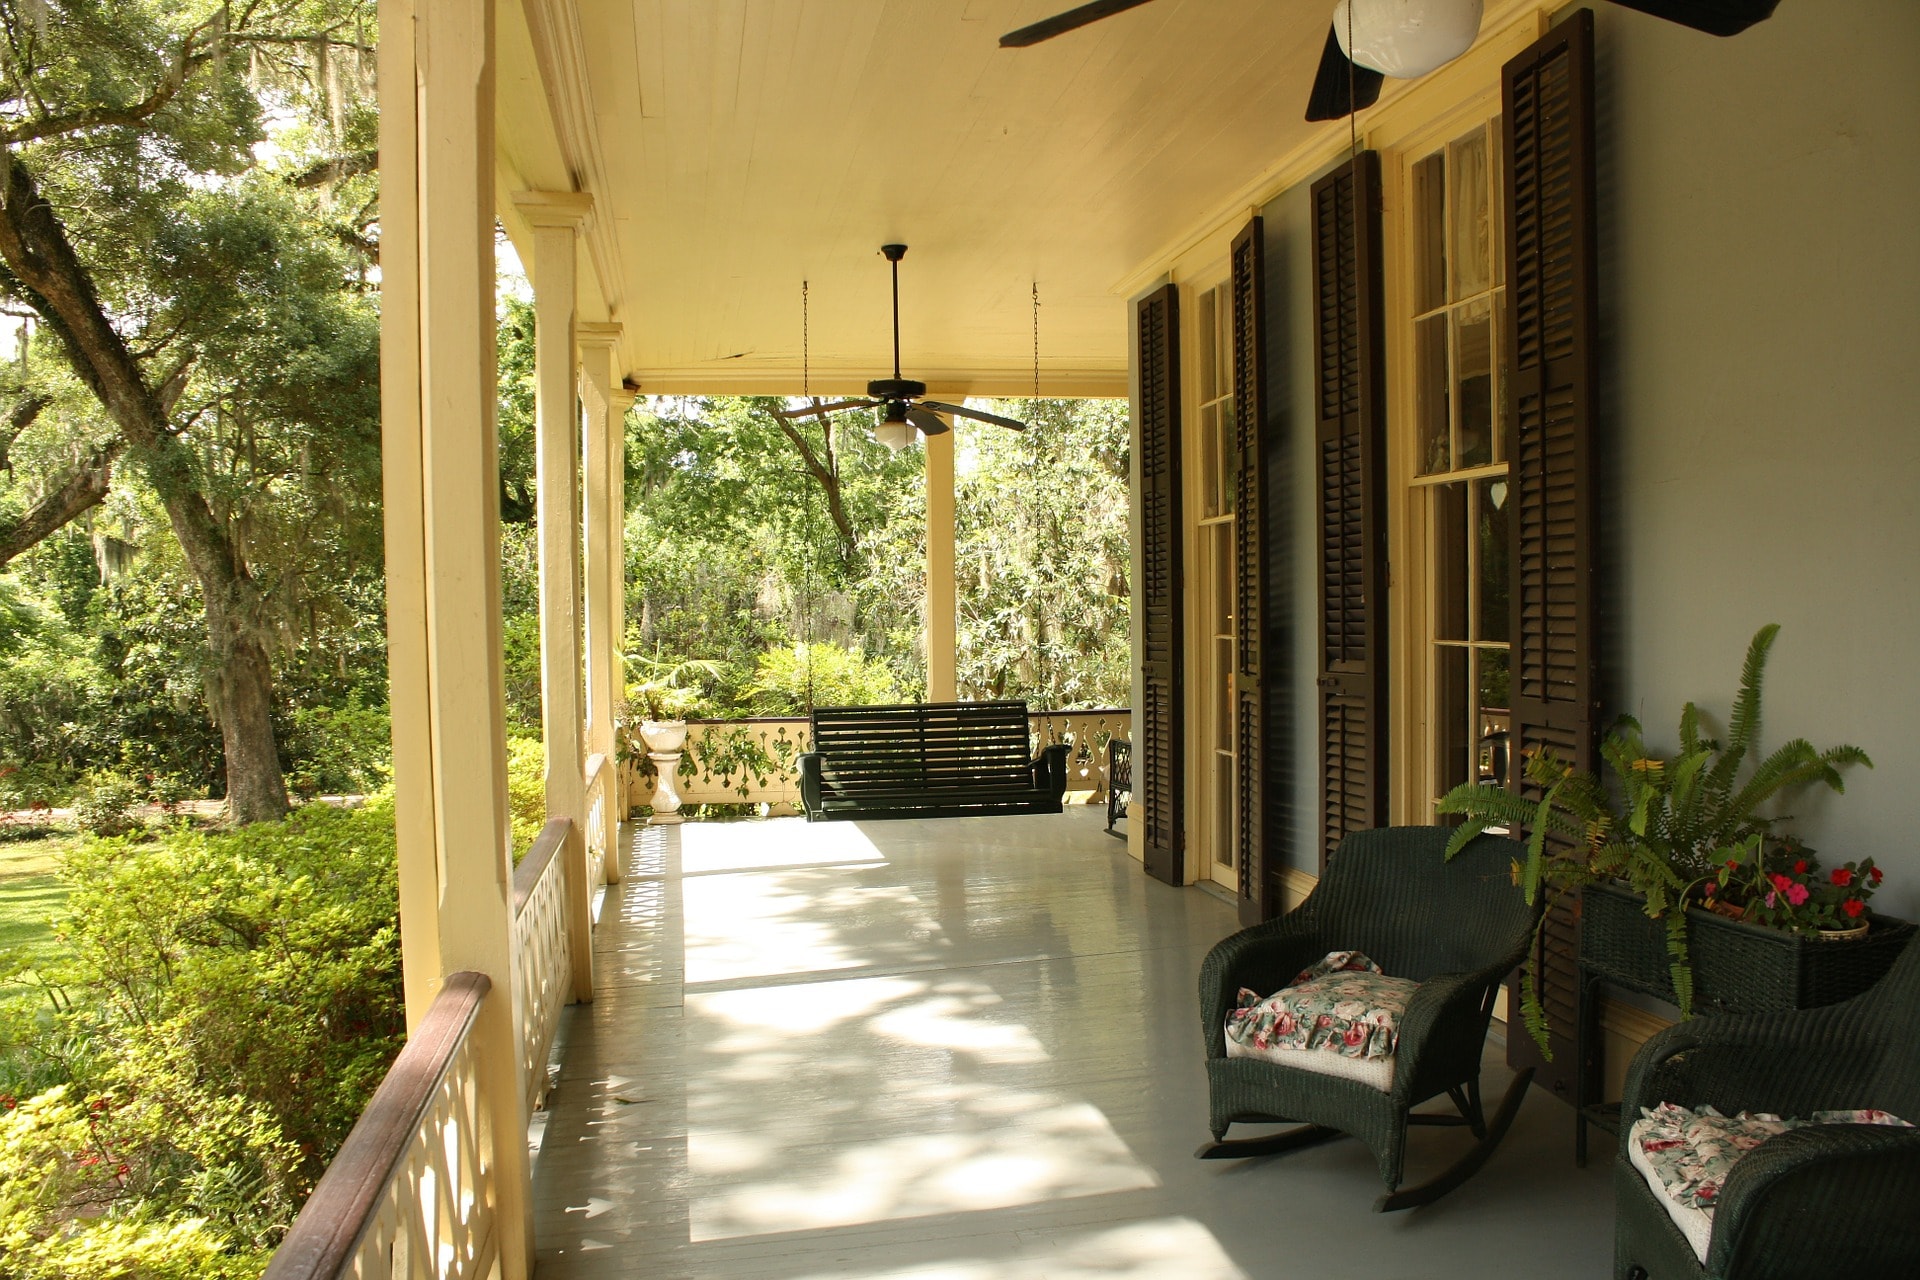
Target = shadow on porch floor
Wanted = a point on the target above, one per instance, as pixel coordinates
(963, 1048)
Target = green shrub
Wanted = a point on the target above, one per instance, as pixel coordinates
(840, 677)
(103, 806)
(526, 791)
(229, 1002)
(344, 750)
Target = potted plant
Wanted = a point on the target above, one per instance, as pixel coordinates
(1666, 836)
(667, 692)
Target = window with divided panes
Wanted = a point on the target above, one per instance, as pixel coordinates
(1461, 425)
(1213, 332)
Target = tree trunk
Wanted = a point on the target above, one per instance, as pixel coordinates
(35, 248)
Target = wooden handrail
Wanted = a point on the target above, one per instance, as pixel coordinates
(551, 840)
(337, 1215)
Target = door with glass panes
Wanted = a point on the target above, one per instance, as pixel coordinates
(1210, 645)
(1454, 308)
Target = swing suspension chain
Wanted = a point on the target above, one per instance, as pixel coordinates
(1033, 507)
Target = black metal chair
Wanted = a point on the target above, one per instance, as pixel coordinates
(1456, 927)
(1825, 1200)
(1119, 778)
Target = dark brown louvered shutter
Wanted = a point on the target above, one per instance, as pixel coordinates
(1350, 443)
(1550, 350)
(1160, 759)
(1247, 285)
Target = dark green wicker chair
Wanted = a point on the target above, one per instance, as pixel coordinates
(1456, 927)
(1827, 1200)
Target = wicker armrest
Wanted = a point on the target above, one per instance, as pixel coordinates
(1444, 1007)
(1831, 1199)
(1264, 958)
(1786, 1063)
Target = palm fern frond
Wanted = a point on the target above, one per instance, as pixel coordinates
(1743, 730)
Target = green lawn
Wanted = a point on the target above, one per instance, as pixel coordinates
(31, 890)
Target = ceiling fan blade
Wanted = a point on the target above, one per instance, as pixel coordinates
(1061, 23)
(977, 415)
(929, 422)
(816, 410)
(1329, 99)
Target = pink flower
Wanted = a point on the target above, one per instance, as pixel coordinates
(1796, 894)
(1323, 1021)
(1843, 876)
(1354, 1036)
(1285, 1024)
(1770, 897)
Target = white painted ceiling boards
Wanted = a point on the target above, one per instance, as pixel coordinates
(737, 147)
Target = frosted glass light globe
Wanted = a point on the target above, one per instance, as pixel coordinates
(1407, 38)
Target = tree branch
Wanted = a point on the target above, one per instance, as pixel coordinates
(824, 472)
(24, 411)
(334, 170)
(184, 61)
(81, 491)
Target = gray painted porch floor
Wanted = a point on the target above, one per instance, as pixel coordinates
(961, 1049)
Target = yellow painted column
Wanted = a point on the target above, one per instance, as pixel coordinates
(556, 218)
(442, 516)
(597, 353)
(619, 400)
(942, 599)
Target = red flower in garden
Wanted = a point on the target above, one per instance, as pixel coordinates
(1780, 882)
(1853, 907)
(1843, 876)
(1800, 867)
(1875, 874)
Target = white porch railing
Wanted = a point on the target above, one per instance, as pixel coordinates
(751, 761)
(602, 820)
(410, 1193)
(542, 951)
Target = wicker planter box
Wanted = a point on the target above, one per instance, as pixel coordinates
(1737, 967)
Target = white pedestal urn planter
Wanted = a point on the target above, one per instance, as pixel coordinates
(664, 739)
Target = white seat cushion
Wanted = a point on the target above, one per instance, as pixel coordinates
(1339, 1017)
(1686, 1153)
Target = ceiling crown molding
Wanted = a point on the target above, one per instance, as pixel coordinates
(560, 52)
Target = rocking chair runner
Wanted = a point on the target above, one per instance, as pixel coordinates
(1457, 928)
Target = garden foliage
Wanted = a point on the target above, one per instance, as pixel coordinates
(220, 1010)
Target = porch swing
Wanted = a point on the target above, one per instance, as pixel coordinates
(919, 759)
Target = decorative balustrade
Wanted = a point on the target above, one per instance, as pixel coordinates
(410, 1192)
(751, 761)
(542, 951)
(601, 821)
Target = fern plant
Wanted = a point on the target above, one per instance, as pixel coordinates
(1662, 825)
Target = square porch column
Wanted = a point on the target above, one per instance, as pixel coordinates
(605, 577)
(441, 483)
(556, 218)
(942, 599)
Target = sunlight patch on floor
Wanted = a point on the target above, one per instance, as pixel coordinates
(775, 923)
(782, 842)
(1160, 1249)
(1055, 1149)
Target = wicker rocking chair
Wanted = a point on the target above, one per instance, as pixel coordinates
(1826, 1200)
(1457, 928)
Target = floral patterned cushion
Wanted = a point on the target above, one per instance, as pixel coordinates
(1686, 1153)
(1342, 1004)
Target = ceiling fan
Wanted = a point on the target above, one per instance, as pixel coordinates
(902, 400)
(1403, 38)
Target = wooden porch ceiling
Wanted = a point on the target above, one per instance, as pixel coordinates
(735, 148)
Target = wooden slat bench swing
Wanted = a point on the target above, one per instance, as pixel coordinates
(928, 760)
